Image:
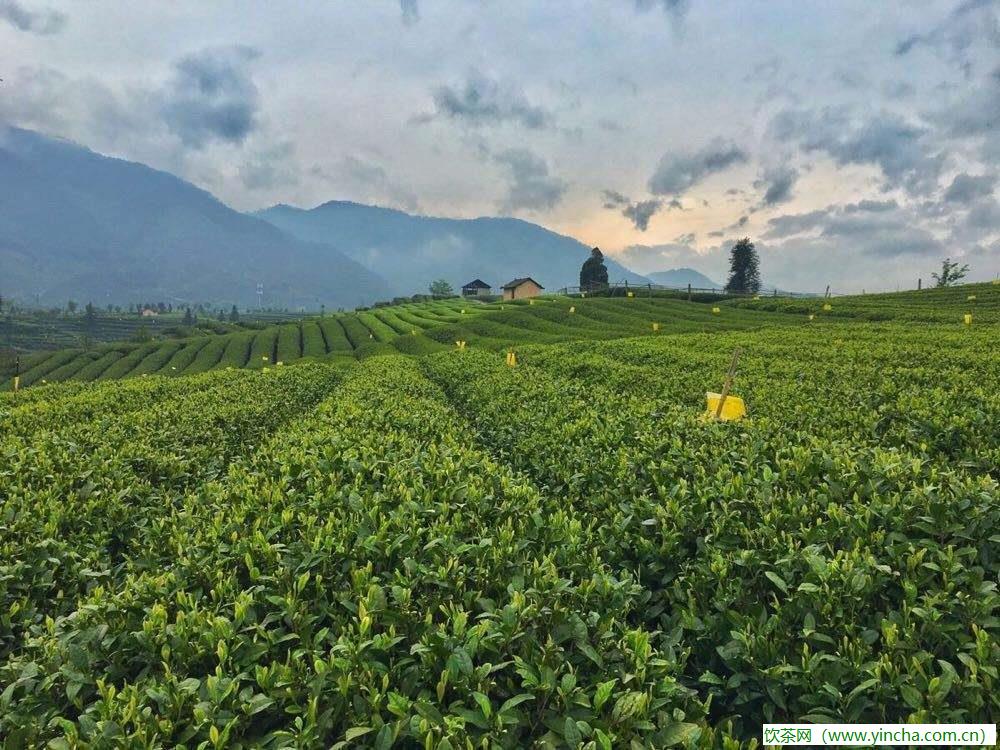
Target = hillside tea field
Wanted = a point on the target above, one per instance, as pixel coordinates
(446, 552)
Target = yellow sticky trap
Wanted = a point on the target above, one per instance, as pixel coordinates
(572, 309)
(968, 319)
(531, 301)
(582, 295)
(656, 326)
(370, 335)
(828, 307)
(631, 294)
(971, 298)
(460, 344)
(279, 363)
(511, 359)
(716, 310)
(267, 369)
(732, 409)
(17, 382)
(414, 332)
(756, 296)
(812, 316)
(463, 311)
(265, 358)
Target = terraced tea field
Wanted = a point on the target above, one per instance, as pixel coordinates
(444, 551)
(417, 328)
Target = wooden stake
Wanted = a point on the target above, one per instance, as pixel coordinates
(728, 384)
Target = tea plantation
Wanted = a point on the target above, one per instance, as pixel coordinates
(444, 551)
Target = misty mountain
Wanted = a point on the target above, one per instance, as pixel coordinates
(78, 225)
(681, 277)
(410, 251)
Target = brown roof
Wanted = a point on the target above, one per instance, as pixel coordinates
(477, 284)
(517, 282)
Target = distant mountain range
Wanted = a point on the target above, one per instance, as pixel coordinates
(75, 224)
(411, 251)
(78, 225)
(681, 277)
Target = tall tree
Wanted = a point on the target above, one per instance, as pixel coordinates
(234, 315)
(90, 316)
(951, 273)
(593, 273)
(188, 317)
(441, 288)
(744, 268)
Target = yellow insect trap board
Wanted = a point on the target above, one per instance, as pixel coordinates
(460, 344)
(656, 326)
(716, 310)
(828, 307)
(968, 319)
(732, 409)
(631, 294)
(511, 359)
(572, 309)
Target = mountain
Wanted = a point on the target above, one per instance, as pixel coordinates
(78, 225)
(681, 277)
(411, 251)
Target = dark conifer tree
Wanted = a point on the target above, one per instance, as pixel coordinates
(594, 274)
(744, 268)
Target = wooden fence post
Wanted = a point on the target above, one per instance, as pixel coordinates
(728, 384)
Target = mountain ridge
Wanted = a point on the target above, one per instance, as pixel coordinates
(412, 250)
(128, 232)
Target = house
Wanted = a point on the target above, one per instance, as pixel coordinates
(477, 288)
(522, 288)
(148, 312)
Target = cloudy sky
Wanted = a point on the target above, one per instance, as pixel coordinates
(855, 142)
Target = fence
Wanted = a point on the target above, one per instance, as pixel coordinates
(622, 288)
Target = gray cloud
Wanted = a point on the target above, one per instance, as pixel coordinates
(898, 148)
(532, 188)
(675, 9)
(975, 115)
(482, 100)
(985, 216)
(870, 206)
(638, 212)
(970, 22)
(677, 173)
(791, 224)
(878, 229)
(410, 11)
(270, 168)
(212, 97)
(898, 90)
(966, 188)
(33, 21)
(778, 182)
